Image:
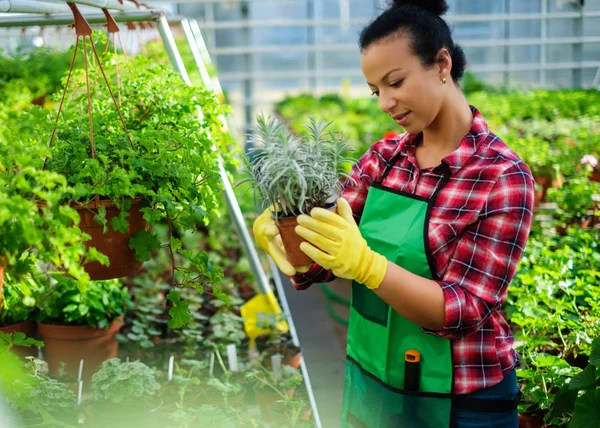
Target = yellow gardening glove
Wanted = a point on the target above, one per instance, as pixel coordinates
(266, 235)
(335, 242)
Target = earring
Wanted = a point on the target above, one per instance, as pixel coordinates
(443, 81)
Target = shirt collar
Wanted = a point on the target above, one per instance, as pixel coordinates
(468, 146)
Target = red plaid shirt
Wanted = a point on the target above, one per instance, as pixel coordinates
(479, 226)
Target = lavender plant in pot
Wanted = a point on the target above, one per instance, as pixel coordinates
(295, 173)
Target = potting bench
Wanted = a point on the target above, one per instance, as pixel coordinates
(29, 13)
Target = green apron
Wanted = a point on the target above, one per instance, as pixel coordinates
(380, 389)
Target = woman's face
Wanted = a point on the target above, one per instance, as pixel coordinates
(410, 93)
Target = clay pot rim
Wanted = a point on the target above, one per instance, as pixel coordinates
(78, 332)
(108, 203)
(330, 207)
(17, 324)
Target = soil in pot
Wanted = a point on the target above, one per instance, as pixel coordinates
(115, 245)
(291, 240)
(70, 344)
(30, 330)
(140, 413)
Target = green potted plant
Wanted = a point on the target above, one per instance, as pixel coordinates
(125, 393)
(577, 201)
(158, 165)
(35, 238)
(77, 325)
(39, 400)
(270, 386)
(16, 310)
(296, 174)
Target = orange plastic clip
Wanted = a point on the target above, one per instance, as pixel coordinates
(412, 356)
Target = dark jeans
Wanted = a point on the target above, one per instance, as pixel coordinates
(505, 390)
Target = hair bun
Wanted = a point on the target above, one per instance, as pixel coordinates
(437, 7)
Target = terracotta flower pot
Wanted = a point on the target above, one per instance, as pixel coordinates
(526, 421)
(113, 244)
(595, 175)
(70, 344)
(291, 240)
(1, 284)
(27, 327)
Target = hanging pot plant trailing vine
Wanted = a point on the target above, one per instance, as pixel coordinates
(150, 161)
(296, 174)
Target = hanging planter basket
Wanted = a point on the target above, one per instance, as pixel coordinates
(1, 283)
(113, 244)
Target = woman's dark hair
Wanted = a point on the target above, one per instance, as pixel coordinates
(421, 19)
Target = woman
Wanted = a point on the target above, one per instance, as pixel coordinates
(444, 212)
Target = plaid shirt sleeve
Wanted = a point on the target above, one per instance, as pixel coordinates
(355, 191)
(487, 255)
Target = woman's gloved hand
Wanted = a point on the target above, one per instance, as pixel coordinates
(335, 242)
(266, 235)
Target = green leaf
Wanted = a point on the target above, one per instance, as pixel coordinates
(144, 243)
(120, 223)
(584, 380)
(587, 410)
(180, 313)
(100, 218)
(595, 354)
(564, 402)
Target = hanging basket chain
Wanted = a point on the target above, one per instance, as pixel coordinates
(112, 95)
(84, 30)
(89, 97)
(62, 100)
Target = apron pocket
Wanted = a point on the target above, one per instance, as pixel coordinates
(369, 403)
(369, 305)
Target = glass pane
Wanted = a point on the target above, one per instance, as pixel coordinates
(478, 30)
(524, 29)
(561, 28)
(559, 78)
(592, 5)
(230, 63)
(340, 60)
(484, 55)
(528, 6)
(228, 37)
(524, 79)
(591, 52)
(334, 34)
(591, 27)
(587, 77)
(266, 10)
(474, 7)
(524, 54)
(279, 36)
(282, 61)
(559, 53)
